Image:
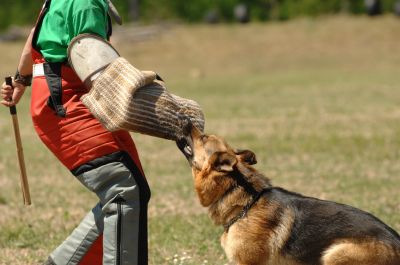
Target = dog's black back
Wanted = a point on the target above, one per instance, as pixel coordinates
(318, 223)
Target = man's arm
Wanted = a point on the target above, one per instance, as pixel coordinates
(25, 69)
(26, 61)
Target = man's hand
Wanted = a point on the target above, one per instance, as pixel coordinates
(11, 95)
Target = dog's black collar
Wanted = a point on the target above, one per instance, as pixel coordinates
(255, 196)
(246, 208)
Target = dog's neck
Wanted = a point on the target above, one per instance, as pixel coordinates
(246, 208)
(250, 179)
(245, 191)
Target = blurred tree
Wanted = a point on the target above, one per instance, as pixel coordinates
(212, 16)
(396, 8)
(134, 10)
(19, 12)
(373, 7)
(241, 13)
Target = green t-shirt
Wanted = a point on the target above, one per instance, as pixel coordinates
(66, 19)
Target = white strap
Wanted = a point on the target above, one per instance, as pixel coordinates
(38, 70)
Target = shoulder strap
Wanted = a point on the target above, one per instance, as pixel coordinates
(52, 72)
(39, 21)
(109, 27)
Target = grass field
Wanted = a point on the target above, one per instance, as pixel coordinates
(318, 101)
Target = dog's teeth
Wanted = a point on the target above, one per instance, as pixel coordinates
(188, 150)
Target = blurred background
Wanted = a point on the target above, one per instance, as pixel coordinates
(311, 86)
(22, 12)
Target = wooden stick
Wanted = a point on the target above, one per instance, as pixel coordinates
(23, 177)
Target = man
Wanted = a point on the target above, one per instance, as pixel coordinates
(115, 230)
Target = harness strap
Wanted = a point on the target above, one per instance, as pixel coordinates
(109, 27)
(52, 71)
(39, 21)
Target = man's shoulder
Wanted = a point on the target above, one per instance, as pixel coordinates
(85, 4)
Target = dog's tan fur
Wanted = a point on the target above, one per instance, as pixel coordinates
(263, 235)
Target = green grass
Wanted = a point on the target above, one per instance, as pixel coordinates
(317, 100)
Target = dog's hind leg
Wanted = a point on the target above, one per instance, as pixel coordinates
(354, 253)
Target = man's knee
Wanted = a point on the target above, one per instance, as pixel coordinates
(111, 182)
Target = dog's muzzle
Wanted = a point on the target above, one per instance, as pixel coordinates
(185, 141)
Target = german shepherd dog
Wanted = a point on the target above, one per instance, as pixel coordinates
(267, 225)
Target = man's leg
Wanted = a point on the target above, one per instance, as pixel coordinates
(76, 246)
(118, 192)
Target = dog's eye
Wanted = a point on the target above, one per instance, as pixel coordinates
(204, 138)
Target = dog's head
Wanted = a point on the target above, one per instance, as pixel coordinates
(212, 160)
(201, 149)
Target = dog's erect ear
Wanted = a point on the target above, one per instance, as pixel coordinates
(247, 156)
(223, 161)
